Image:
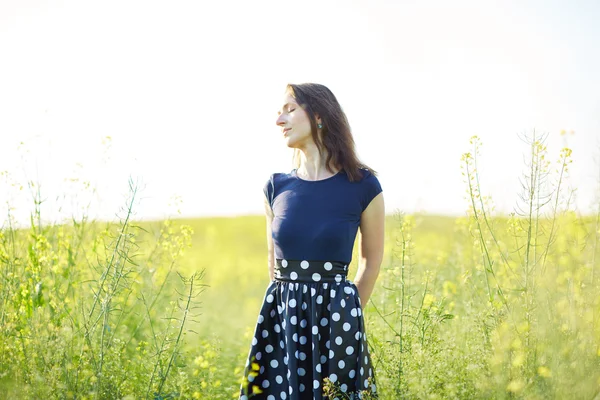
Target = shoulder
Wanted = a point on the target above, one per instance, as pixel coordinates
(275, 180)
(278, 177)
(368, 178)
(369, 187)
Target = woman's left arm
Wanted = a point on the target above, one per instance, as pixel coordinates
(370, 247)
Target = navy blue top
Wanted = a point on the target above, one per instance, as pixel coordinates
(318, 220)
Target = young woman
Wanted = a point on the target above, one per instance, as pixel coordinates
(310, 341)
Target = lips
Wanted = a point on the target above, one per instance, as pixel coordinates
(286, 130)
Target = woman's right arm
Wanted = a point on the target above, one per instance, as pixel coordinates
(270, 249)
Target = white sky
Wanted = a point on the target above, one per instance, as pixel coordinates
(188, 92)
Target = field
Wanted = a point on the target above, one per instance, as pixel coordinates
(474, 307)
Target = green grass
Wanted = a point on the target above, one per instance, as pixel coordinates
(474, 307)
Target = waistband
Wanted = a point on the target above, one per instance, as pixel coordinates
(310, 271)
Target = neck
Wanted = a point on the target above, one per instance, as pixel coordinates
(312, 164)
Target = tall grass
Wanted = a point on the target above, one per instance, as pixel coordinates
(94, 310)
(477, 307)
(505, 308)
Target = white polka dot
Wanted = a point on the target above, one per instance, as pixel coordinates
(274, 363)
(313, 291)
(324, 321)
(353, 312)
(357, 336)
(289, 374)
(302, 356)
(319, 299)
(262, 369)
(295, 337)
(323, 361)
(333, 377)
(315, 384)
(332, 293)
(348, 290)
(281, 344)
(325, 285)
(341, 364)
(285, 360)
(292, 303)
(277, 328)
(343, 303)
(265, 384)
(284, 263)
(315, 330)
(270, 298)
(301, 371)
(338, 278)
(304, 288)
(244, 397)
(349, 350)
(260, 319)
(346, 326)
(366, 360)
(328, 266)
(302, 339)
(269, 348)
(352, 374)
(291, 390)
(318, 367)
(283, 396)
(258, 355)
(338, 340)
(304, 306)
(279, 379)
(294, 275)
(335, 316)
(359, 312)
(265, 333)
(316, 277)
(362, 371)
(272, 313)
(331, 354)
(327, 344)
(302, 387)
(294, 320)
(304, 264)
(370, 372)
(303, 323)
(344, 388)
(279, 309)
(366, 383)
(254, 341)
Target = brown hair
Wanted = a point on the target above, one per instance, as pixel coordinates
(336, 136)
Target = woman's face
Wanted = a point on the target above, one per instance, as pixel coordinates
(294, 124)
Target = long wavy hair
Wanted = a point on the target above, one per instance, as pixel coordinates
(336, 136)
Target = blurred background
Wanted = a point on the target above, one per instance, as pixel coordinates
(182, 97)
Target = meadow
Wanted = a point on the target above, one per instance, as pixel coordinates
(475, 307)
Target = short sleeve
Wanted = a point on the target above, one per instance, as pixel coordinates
(370, 188)
(269, 190)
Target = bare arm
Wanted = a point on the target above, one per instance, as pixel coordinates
(270, 249)
(370, 247)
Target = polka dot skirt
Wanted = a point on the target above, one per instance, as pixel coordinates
(310, 328)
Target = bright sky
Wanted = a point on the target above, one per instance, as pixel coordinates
(188, 93)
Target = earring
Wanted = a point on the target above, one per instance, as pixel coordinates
(319, 126)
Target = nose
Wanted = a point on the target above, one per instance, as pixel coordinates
(280, 120)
